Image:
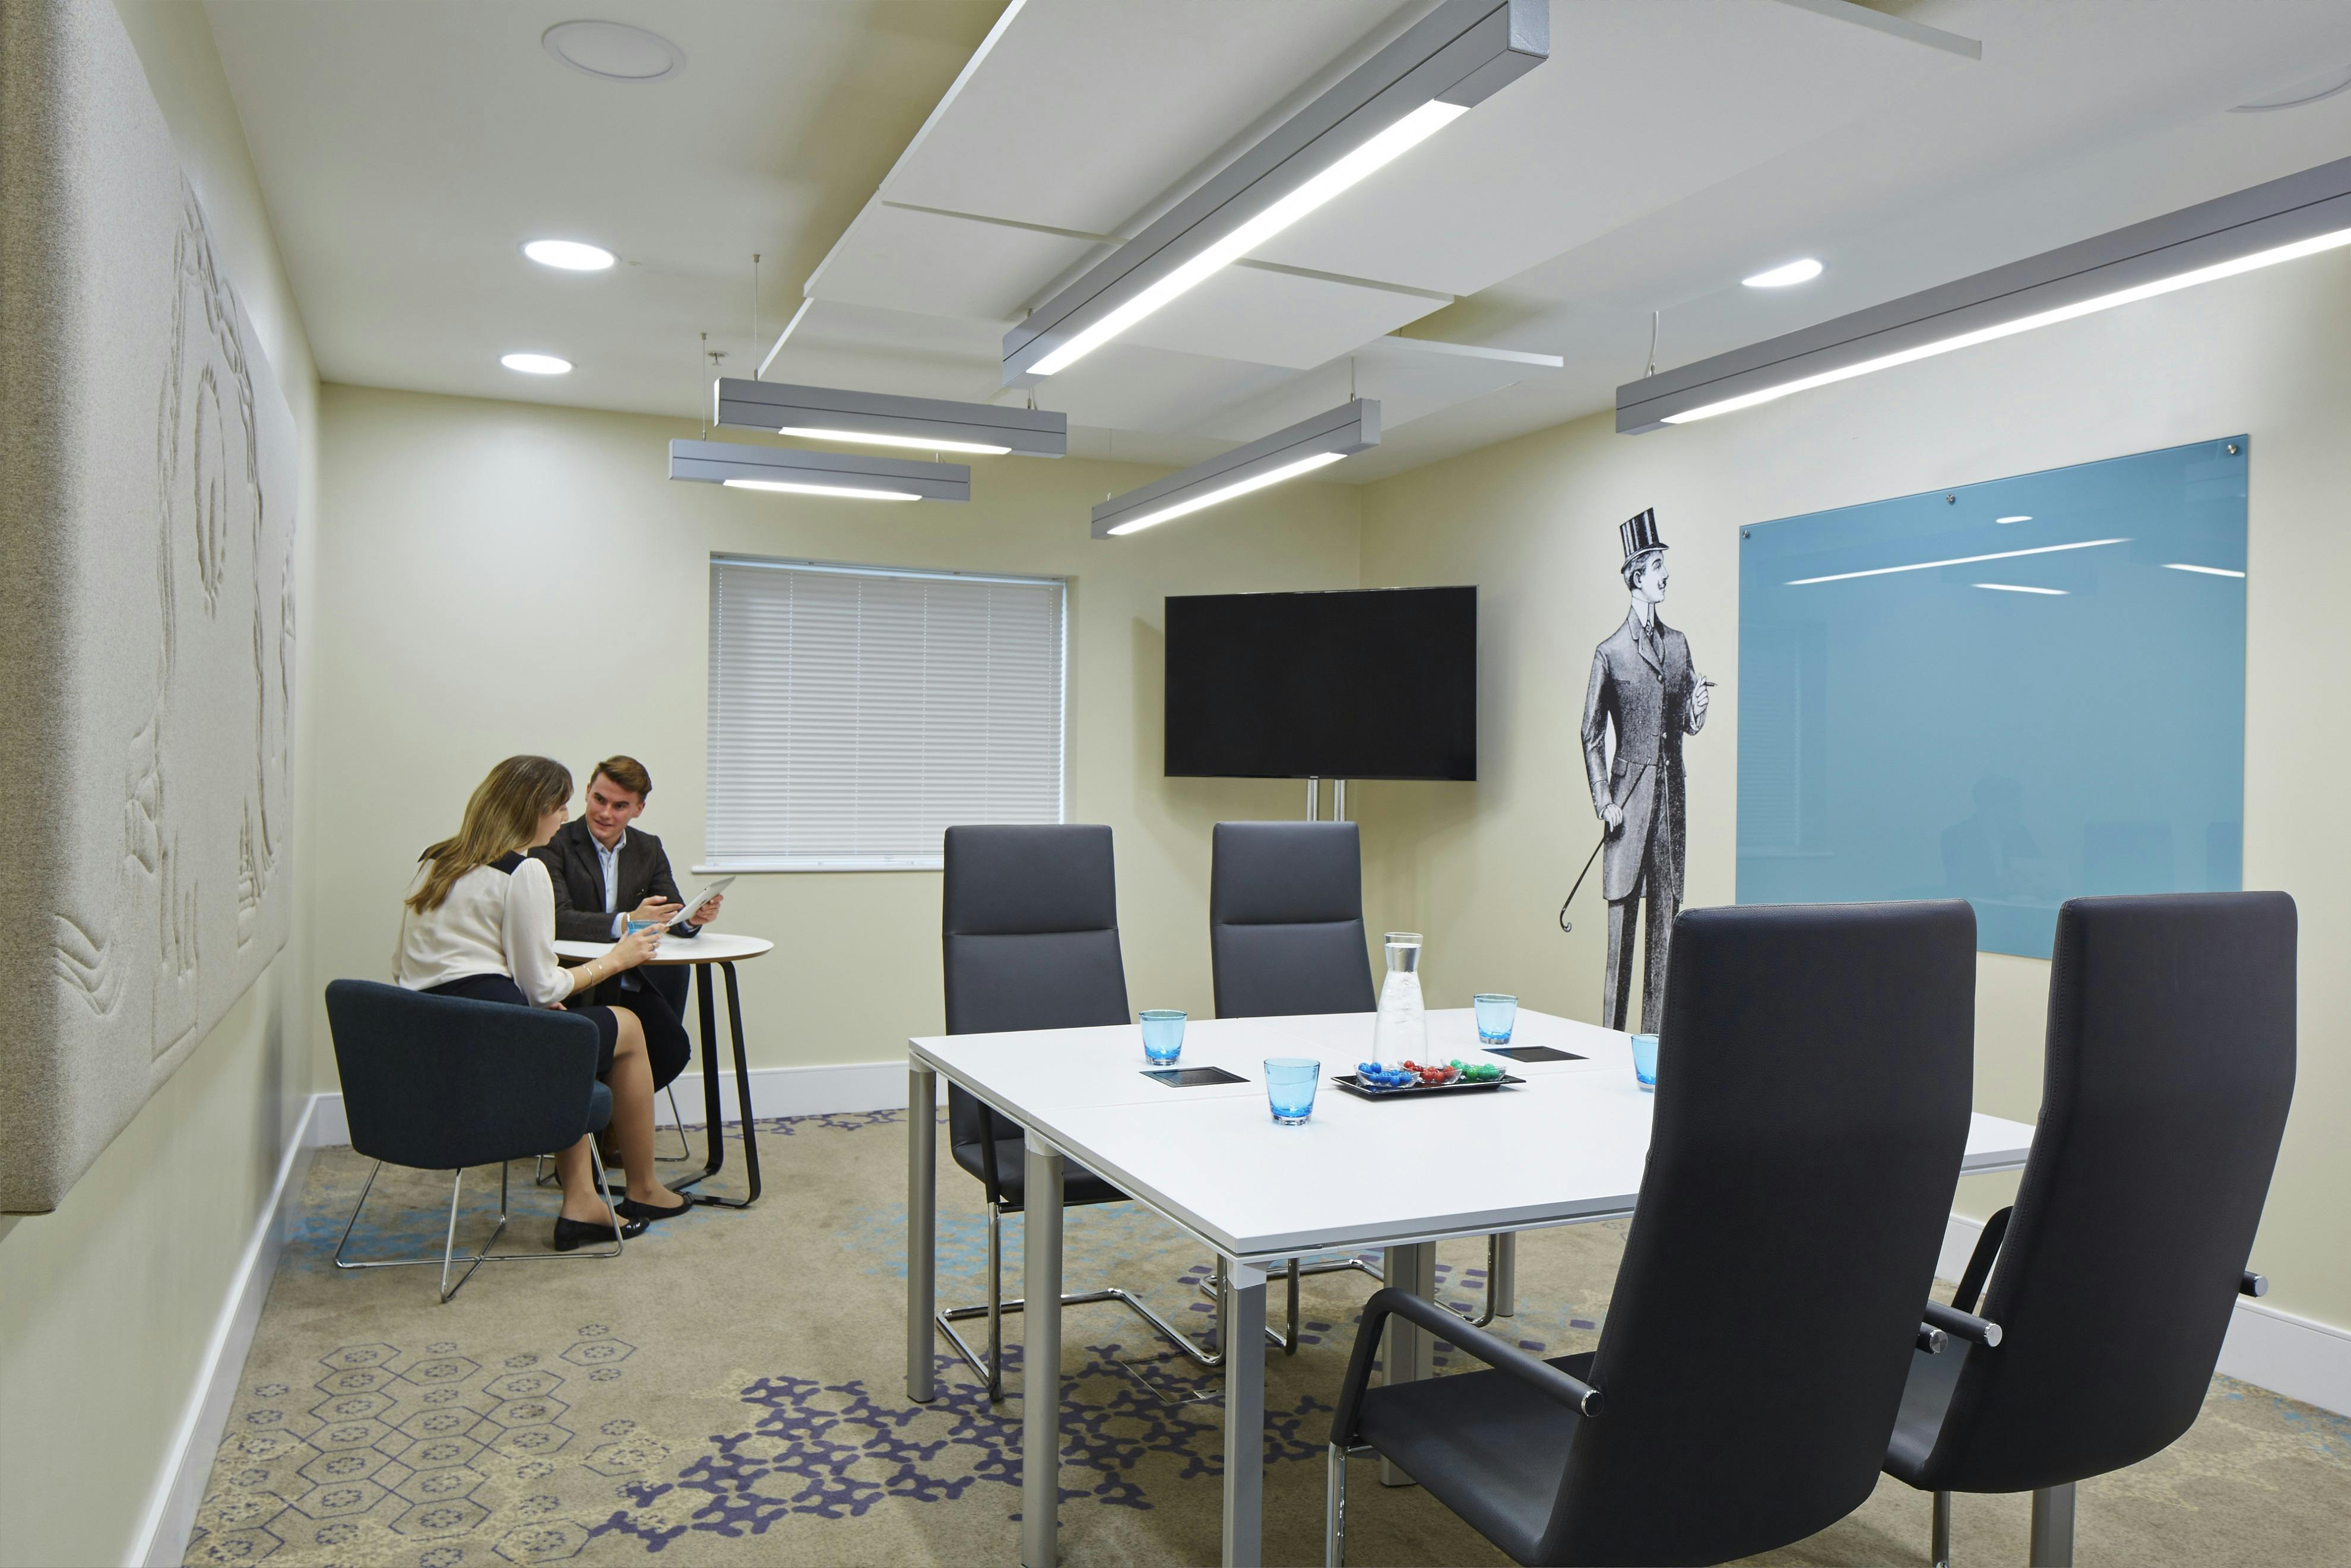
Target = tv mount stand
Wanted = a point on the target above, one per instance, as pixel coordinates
(1314, 800)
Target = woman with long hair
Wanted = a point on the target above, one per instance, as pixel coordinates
(478, 921)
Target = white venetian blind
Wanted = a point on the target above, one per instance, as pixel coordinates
(856, 713)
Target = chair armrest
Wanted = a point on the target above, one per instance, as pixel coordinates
(1454, 1330)
(1965, 1325)
(2253, 1285)
(1931, 1339)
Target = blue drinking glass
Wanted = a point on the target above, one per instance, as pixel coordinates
(1645, 1062)
(1497, 1015)
(1162, 1035)
(1290, 1087)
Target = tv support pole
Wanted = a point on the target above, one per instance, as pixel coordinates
(1314, 800)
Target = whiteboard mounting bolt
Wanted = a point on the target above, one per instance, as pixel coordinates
(1950, 500)
(2231, 448)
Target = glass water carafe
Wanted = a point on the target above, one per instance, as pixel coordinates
(1401, 1034)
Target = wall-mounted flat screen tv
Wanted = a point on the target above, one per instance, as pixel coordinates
(1380, 684)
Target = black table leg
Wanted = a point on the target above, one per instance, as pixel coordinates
(715, 1137)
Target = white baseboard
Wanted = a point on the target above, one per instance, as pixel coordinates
(179, 1491)
(2269, 1348)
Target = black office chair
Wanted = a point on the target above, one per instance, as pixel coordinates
(440, 1083)
(1030, 926)
(1285, 937)
(2169, 1069)
(1812, 1110)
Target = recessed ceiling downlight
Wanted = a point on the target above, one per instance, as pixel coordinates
(536, 364)
(1802, 271)
(613, 51)
(2310, 90)
(570, 254)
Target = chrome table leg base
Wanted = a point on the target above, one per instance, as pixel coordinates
(448, 1257)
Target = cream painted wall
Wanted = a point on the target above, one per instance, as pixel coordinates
(500, 577)
(1481, 868)
(107, 1306)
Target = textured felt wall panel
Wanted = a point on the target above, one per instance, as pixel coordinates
(147, 619)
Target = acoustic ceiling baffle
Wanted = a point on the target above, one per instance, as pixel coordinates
(1308, 445)
(1455, 58)
(853, 476)
(882, 419)
(2298, 215)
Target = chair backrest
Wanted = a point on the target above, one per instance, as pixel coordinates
(1030, 929)
(1286, 920)
(438, 1082)
(2169, 1070)
(1815, 1070)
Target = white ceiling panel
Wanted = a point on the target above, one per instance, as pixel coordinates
(1127, 386)
(943, 265)
(1278, 318)
(1412, 380)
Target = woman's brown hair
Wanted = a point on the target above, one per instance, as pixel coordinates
(501, 818)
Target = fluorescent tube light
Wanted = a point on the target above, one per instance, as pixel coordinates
(849, 490)
(2282, 220)
(855, 476)
(1303, 447)
(1459, 55)
(568, 254)
(1955, 561)
(1794, 272)
(1378, 152)
(884, 419)
(2019, 588)
(536, 364)
(2019, 518)
(2207, 570)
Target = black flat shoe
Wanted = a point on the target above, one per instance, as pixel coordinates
(570, 1235)
(646, 1213)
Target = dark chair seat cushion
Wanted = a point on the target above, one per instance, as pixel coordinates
(600, 1108)
(1079, 1184)
(1924, 1399)
(1484, 1443)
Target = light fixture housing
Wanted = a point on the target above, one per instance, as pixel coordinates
(852, 475)
(2281, 220)
(568, 254)
(537, 364)
(1456, 56)
(1308, 445)
(1785, 275)
(882, 419)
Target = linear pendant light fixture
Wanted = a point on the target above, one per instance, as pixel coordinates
(1308, 445)
(880, 418)
(854, 476)
(2301, 214)
(1452, 59)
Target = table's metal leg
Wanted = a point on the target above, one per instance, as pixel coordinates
(714, 1140)
(1041, 1356)
(715, 1137)
(1502, 1275)
(1407, 1355)
(1243, 1416)
(922, 1230)
(743, 1093)
(2051, 1544)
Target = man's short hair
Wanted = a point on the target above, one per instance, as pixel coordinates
(627, 773)
(1630, 570)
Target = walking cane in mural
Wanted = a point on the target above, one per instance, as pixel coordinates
(1643, 698)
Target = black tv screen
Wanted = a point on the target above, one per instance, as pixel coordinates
(1381, 684)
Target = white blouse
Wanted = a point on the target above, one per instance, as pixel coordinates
(498, 919)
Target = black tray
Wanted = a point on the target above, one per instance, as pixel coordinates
(1365, 1092)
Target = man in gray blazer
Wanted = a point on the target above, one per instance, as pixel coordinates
(1644, 688)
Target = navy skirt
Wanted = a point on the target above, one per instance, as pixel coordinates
(502, 989)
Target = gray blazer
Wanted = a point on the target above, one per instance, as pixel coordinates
(1647, 698)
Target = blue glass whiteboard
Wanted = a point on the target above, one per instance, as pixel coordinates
(2015, 693)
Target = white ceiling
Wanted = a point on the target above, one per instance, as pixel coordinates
(924, 188)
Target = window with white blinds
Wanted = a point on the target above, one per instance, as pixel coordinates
(856, 713)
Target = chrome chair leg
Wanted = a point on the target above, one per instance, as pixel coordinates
(1939, 1540)
(995, 1305)
(1290, 1341)
(1334, 1507)
(677, 1125)
(1213, 1286)
(447, 1257)
(2052, 1543)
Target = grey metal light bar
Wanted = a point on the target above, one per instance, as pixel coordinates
(1308, 445)
(1453, 58)
(923, 423)
(853, 476)
(2298, 215)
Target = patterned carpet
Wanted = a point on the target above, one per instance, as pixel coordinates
(730, 1392)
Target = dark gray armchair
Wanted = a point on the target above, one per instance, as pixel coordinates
(442, 1083)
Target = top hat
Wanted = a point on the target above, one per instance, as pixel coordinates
(1640, 534)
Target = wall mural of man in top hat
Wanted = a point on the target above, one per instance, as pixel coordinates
(1645, 690)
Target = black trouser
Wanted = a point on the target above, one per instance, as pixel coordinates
(659, 1001)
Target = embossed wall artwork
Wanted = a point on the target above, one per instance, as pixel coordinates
(147, 613)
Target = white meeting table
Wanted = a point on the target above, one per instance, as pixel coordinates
(1565, 1148)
